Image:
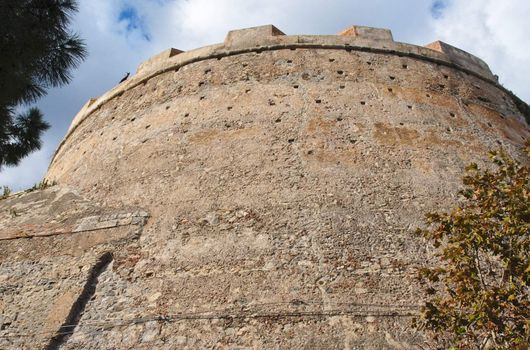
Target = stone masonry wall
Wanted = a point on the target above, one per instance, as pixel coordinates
(283, 185)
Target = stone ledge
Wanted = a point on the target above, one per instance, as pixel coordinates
(60, 211)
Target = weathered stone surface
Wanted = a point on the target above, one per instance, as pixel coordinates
(50, 240)
(282, 181)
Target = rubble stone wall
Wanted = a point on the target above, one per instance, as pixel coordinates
(282, 184)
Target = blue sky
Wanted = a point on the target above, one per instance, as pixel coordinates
(133, 22)
(438, 7)
(120, 34)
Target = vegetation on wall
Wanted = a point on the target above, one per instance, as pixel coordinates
(478, 296)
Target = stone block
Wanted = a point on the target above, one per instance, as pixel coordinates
(462, 58)
(367, 33)
(157, 59)
(251, 37)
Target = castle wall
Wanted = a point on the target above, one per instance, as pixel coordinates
(283, 184)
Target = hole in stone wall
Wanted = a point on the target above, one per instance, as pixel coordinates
(442, 86)
(289, 61)
(229, 107)
(245, 64)
(339, 119)
(293, 48)
(452, 114)
(369, 63)
(278, 120)
(363, 103)
(428, 95)
(483, 99)
(339, 72)
(247, 91)
(392, 78)
(400, 123)
(295, 86)
(167, 107)
(318, 101)
(341, 87)
(446, 76)
(114, 138)
(332, 60)
(147, 126)
(489, 124)
(448, 129)
(201, 98)
(186, 114)
(201, 83)
(409, 106)
(207, 70)
(404, 66)
(310, 152)
(390, 90)
(133, 119)
(290, 140)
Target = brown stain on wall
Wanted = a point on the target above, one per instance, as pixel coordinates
(493, 121)
(60, 309)
(215, 135)
(390, 135)
(420, 96)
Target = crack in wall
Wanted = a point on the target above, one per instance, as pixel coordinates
(78, 307)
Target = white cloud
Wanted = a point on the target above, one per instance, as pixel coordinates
(496, 31)
(29, 172)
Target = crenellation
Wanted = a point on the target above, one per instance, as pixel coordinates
(155, 61)
(463, 59)
(252, 37)
(367, 33)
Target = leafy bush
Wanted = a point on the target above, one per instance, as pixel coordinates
(478, 297)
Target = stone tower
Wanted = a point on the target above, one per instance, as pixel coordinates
(255, 194)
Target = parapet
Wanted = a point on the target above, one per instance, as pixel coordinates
(367, 33)
(358, 38)
(255, 36)
(157, 59)
(462, 58)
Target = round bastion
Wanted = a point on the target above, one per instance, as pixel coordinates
(282, 178)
